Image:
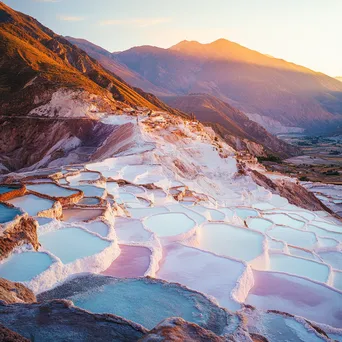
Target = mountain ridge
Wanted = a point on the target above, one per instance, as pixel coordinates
(252, 82)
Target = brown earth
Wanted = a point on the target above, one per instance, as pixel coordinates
(11, 292)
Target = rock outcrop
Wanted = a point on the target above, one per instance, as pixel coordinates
(11, 292)
(293, 192)
(59, 320)
(176, 329)
(7, 335)
(20, 231)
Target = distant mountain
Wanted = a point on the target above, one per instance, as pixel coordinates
(110, 62)
(234, 126)
(254, 83)
(339, 78)
(35, 62)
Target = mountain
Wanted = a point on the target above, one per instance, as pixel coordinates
(109, 61)
(44, 80)
(260, 85)
(231, 123)
(339, 78)
(35, 62)
(234, 126)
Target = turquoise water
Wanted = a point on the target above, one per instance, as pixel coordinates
(285, 220)
(169, 224)
(71, 244)
(32, 204)
(25, 266)
(301, 267)
(52, 190)
(244, 213)
(227, 240)
(141, 302)
(259, 224)
(4, 189)
(8, 214)
(89, 201)
(293, 237)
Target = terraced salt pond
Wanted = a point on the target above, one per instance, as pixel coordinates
(32, 204)
(293, 237)
(283, 219)
(144, 301)
(52, 190)
(259, 224)
(332, 258)
(97, 227)
(299, 266)
(298, 296)
(8, 188)
(169, 224)
(244, 213)
(7, 213)
(91, 190)
(225, 239)
(132, 262)
(89, 201)
(24, 266)
(75, 214)
(83, 177)
(62, 244)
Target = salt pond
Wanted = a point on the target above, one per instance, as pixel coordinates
(24, 266)
(32, 204)
(225, 239)
(52, 190)
(7, 213)
(71, 244)
(169, 224)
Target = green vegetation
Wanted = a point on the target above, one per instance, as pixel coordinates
(270, 158)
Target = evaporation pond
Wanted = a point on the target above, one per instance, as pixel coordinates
(231, 241)
(245, 212)
(140, 301)
(298, 266)
(259, 224)
(71, 244)
(285, 220)
(293, 237)
(169, 224)
(25, 266)
(5, 189)
(132, 262)
(75, 214)
(32, 204)
(7, 213)
(89, 201)
(52, 190)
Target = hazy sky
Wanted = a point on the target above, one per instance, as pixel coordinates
(306, 32)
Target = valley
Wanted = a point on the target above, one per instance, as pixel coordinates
(141, 201)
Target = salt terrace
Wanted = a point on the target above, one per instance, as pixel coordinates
(175, 210)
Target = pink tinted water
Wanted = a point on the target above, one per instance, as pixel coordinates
(133, 261)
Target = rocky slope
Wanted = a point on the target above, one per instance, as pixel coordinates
(44, 75)
(234, 126)
(35, 62)
(11, 292)
(254, 83)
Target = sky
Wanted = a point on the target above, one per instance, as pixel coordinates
(306, 32)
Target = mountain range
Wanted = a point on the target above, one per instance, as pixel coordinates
(261, 86)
